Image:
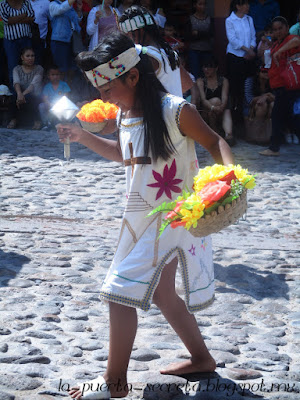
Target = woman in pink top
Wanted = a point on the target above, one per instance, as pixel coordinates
(101, 20)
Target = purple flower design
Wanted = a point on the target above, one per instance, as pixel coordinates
(192, 250)
(166, 182)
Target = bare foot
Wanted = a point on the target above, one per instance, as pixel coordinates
(99, 389)
(190, 366)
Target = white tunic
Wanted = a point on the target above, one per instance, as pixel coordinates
(140, 256)
(170, 79)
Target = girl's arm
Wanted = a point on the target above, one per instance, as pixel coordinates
(193, 126)
(107, 148)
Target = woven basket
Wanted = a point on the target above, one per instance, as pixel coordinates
(222, 217)
(94, 127)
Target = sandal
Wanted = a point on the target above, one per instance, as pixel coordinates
(230, 139)
(12, 124)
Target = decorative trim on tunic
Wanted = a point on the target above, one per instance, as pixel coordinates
(145, 303)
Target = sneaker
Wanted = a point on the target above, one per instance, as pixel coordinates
(295, 139)
(269, 152)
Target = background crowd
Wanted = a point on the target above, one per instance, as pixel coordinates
(39, 40)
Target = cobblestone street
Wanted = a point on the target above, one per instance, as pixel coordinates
(59, 226)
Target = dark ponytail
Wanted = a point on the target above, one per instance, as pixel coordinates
(149, 91)
(152, 31)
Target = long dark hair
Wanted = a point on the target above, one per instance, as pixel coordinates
(148, 91)
(150, 30)
(235, 3)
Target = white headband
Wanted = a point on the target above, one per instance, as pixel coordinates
(105, 73)
(135, 23)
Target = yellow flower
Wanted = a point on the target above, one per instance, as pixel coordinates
(210, 174)
(217, 171)
(190, 217)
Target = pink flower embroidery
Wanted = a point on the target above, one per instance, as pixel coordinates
(166, 183)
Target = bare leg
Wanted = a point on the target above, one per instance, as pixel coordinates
(184, 324)
(227, 123)
(123, 326)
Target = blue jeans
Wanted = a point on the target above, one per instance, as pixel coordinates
(62, 55)
(13, 50)
(196, 61)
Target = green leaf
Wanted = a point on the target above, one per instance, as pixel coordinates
(213, 207)
(164, 207)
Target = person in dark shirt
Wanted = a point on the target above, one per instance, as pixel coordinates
(262, 12)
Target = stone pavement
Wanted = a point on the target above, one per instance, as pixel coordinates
(58, 229)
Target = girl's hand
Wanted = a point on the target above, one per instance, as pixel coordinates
(74, 132)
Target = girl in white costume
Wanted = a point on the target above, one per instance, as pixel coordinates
(139, 24)
(156, 144)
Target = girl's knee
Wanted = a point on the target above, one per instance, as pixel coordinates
(215, 101)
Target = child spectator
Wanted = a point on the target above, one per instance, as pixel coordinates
(169, 36)
(27, 82)
(264, 54)
(53, 91)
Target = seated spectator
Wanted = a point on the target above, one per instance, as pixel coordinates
(295, 29)
(200, 36)
(214, 92)
(17, 16)
(258, 123)
(27, 81)
(52, 92)
(170, 37)
(100, 21)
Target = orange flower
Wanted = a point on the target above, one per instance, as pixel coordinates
(213, 191)
(97, 111)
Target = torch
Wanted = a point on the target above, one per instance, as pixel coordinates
(65, 110)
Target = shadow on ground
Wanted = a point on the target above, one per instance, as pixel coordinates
(199, 388)
(242, 279)
(10, 265)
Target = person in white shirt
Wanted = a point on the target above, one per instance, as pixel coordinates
(240, 52)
